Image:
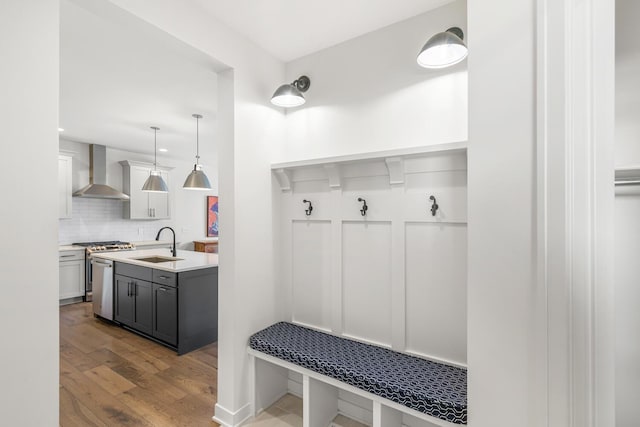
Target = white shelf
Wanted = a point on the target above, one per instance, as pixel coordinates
(374, 155)
(390, 163)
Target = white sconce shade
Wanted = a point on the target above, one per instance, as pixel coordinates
(443, 49)
(290, 95)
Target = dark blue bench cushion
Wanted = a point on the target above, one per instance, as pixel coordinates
(432, 388)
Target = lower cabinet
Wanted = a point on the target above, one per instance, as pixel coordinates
(165, 313)
(133, 303)
(178, 309)
(71, 275)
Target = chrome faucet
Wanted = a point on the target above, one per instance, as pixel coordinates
(173, 251)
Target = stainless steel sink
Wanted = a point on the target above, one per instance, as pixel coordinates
(157, 259)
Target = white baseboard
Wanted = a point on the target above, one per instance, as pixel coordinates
(228, 418)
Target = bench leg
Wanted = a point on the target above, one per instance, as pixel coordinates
(270, 383)
(384, 416)
(320, 403)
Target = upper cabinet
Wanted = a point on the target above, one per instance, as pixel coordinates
(144, 205)
(64, 186)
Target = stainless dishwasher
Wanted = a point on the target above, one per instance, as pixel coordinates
(102, 272)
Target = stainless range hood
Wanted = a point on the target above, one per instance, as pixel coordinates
(98, 188)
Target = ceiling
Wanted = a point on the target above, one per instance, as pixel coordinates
(118, 77)
(290, 29)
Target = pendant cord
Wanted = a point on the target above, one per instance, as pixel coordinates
(155, 149)
(197, 139)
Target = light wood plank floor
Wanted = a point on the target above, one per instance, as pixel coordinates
(287, 412)
(112, 377)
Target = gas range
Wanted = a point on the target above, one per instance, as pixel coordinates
(109, 246)
(99, 247)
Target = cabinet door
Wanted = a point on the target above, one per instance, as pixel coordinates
(71, 279)
(139, 200)
(159, 202)
(64, 186)
(143, 306)
(165, 313)
(123, 289)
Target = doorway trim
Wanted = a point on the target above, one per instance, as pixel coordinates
(575, 193)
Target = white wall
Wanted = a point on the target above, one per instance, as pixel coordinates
(252, 136)
(372, 279)
(395, 277)
(369, 94)
(627, 276)
(28, 307)
(627, 207)
(95, 219)
(501, 239)
(627, 86)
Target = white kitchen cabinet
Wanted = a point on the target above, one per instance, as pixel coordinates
(64, 186)
(144, 205)
(71, 274)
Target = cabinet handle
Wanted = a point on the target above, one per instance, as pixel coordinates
(128, 289)
(135, 289)
(154, 212)
(66, 256)
(163, 289)
(163, 277)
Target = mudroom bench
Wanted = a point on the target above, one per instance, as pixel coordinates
(395, 383)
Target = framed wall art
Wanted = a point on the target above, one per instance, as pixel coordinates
(212, 216)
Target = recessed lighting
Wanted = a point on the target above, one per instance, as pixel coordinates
(60, 130)
(164, 150)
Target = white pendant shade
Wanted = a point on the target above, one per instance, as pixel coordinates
(155, 183)
(443, 50)
(197, 180)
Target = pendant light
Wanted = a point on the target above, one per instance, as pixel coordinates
(155, 183)
(443, 49)
(290, 95)
(197, 180)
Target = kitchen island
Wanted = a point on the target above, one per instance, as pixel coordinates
(171, 300)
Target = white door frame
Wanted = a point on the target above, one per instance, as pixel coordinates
(575, 173)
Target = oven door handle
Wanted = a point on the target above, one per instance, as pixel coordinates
(104, 264)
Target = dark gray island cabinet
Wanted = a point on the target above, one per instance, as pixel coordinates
(179, 310)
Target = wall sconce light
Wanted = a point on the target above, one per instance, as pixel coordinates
(443, 49)
(290, 95)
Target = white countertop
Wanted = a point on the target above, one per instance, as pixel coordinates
(189, 260)
(64, 248)
(153, 243)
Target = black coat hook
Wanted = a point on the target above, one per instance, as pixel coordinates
(434, 206)
(309, 209)
(364, 209)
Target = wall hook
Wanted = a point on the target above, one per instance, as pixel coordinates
(434, 205)
(365, 208)
(309, 209)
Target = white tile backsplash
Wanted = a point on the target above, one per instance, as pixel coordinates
(101, 219)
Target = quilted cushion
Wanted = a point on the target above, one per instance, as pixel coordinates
(433, 388)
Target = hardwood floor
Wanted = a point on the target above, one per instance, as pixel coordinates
(112, 377)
